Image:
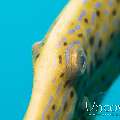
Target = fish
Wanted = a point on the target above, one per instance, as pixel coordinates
(97, 85)
(78, 49)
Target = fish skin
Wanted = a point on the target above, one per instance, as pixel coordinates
(81, 32)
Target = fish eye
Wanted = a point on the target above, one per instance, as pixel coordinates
(75, 59)
(78, 61)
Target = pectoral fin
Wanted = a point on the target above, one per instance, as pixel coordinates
(36, 50)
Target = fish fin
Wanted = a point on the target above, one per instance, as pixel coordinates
(36, 48)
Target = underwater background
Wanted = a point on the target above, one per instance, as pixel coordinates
(22, 23)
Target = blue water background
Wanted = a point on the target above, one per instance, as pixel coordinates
(22, 23)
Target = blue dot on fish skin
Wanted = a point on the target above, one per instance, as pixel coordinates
(77, 27)
(71, 31)
(93, 18)
(47, 107)
(98, 4)
(106, 12)
(83, 13)
(64, 39)
(59, 89)
(88, 31)
(84, 1)
(110, 3)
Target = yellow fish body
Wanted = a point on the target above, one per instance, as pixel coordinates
(81, 32)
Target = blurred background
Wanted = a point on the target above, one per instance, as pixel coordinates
(22, 23)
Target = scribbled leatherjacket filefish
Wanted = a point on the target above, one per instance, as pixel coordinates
(78, 57)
